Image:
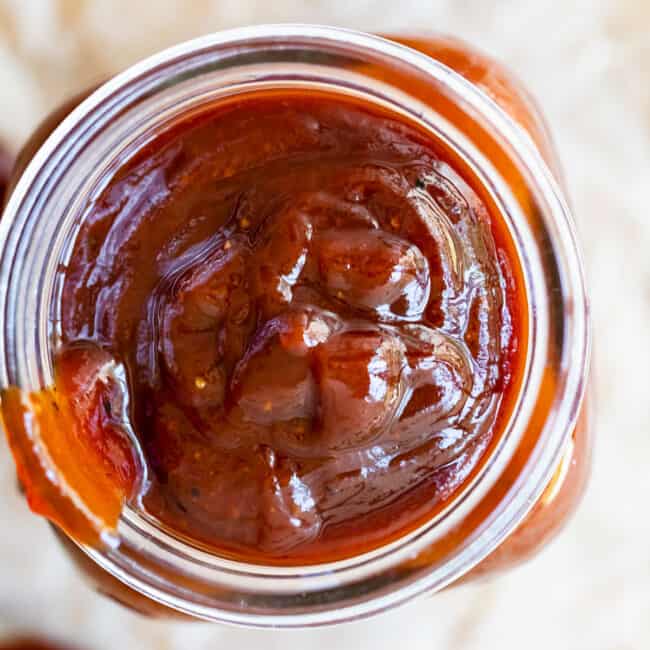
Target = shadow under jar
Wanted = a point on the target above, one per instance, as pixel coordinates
(303, 334)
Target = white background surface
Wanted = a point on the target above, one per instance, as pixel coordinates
(589, 64)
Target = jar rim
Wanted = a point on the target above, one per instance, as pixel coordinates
(373, 594)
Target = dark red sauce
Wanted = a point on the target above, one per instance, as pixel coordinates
(6, 164)
(306, 316)
(31, 644)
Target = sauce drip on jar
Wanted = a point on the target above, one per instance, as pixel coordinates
(304, 320)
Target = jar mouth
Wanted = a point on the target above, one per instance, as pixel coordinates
(116, 120)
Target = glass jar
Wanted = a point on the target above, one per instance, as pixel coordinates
(533, 478)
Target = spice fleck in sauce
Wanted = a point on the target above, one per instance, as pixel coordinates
(291, 330)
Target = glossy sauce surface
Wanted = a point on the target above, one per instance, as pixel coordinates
(305, 316)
